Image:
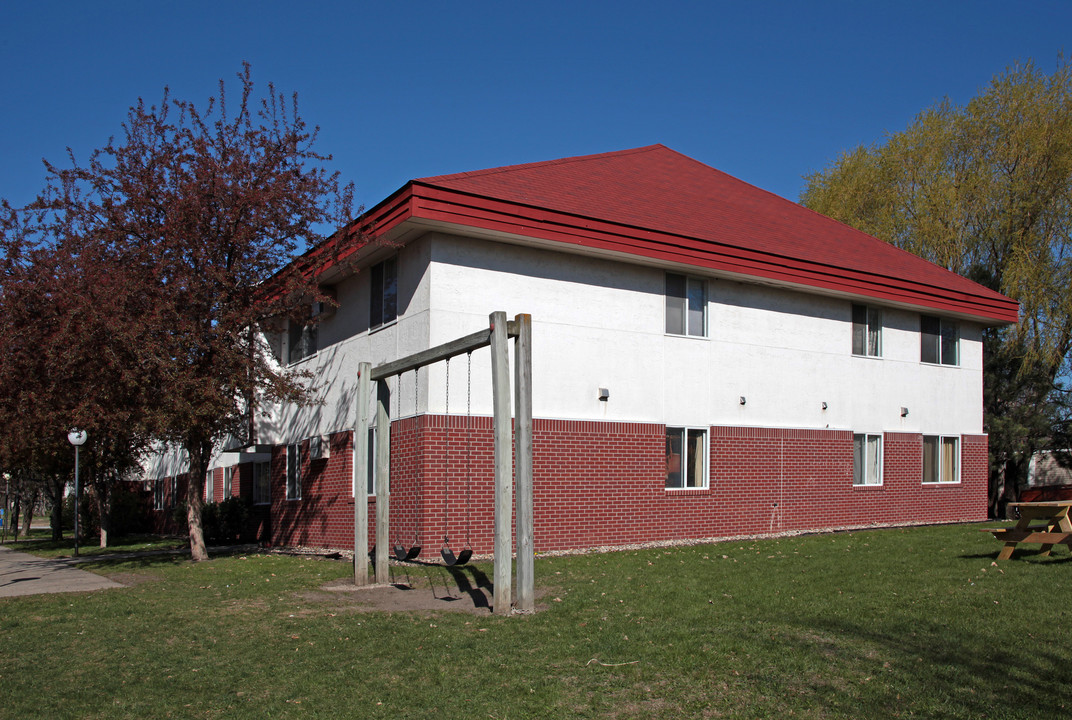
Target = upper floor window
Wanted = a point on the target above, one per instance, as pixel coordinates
(686, 305)
(866, 330)
(938, 340)
(302, 338)
(383, 305)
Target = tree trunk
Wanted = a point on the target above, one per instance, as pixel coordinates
(55, 496)
(28, 512)
(198, 452)
(104, 510)
(14, 517)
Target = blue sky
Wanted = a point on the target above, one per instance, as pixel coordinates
(765, 91)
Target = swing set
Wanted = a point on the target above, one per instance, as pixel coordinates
(496, 337)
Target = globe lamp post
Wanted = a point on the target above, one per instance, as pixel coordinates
(77, 438)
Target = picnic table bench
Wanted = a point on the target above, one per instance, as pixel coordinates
(1052, 526)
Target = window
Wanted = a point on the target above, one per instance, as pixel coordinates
(158, 495)
(262, 477)
(294, 472)
(371, 470)
(866, 459)
(383, 305)
(866, 330)
(228, 478)
(938, 341)
(210, 482)
(941, 459)
(686, 305)
(686, 458)
(302, 337)
(174, 499)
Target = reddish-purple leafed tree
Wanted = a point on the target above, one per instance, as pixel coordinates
(201, 210)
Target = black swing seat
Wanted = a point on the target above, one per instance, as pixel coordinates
(450, 560)
(404, 555)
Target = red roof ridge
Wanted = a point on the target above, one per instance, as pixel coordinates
(431, 180)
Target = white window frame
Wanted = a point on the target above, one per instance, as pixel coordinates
(938, 464)
(866, 480)
(294, 485)
(371, 476)
(378, 273)
(939, 348)
(158, 494)
(174, 492)
(678, 316)
(262, 474)
(228, 481)
(684, 432)
(872, 317)
(210, 486)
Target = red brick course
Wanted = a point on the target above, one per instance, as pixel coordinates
(603, 483)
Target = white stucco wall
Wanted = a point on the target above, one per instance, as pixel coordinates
(601, 323)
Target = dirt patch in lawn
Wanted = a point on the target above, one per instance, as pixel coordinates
(427, 588)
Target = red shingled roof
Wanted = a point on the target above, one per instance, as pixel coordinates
(656, 203)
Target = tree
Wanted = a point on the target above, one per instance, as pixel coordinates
(202, 205)
(985, 190)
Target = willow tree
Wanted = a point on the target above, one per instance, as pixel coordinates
(985, 190)
(205, 203)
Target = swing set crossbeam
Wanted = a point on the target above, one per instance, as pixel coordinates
(469, 343)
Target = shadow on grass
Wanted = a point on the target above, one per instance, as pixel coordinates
(946, 668)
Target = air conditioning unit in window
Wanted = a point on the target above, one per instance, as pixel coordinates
(319, 447)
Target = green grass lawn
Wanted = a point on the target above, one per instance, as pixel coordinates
(40, 543)
(890, 623)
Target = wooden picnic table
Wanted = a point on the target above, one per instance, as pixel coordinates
(1052, 526)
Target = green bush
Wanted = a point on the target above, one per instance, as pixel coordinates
(223, 522)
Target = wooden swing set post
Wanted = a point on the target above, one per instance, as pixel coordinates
(520, 441)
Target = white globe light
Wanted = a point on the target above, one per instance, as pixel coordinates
(76, 437)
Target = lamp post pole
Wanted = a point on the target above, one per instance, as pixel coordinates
(76, 437)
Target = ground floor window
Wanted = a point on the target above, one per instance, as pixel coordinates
(210, 478)
(866, 459)
(158, 494)
(228, 477)
(686, 457)
(371, 465)
(262, 475)
(294, 472)
(941, 459)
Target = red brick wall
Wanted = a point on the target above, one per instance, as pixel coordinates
(599, 483)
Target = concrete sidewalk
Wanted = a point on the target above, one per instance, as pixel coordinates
(22, 574)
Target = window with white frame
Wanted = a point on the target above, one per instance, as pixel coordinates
(294, 472)
(686, 458)
(262, 477)
(383, 303)
(370, 465)
(686, 305)
(302, 336)
(939, 341)
(174, 499)
(941, 459)
(228, 479)
(210, 486)
(866, 330)
(866, 459)
(158, 494)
